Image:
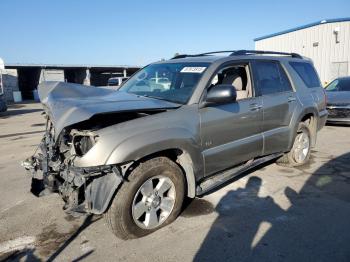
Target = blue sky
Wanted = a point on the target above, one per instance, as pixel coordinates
(138, 32)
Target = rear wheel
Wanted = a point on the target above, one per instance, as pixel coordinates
(150, 199)
(300, 152)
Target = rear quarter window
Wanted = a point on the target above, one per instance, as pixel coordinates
(307, 73)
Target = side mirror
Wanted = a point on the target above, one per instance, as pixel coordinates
(221, 94)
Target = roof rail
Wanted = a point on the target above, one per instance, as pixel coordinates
(242, 52)
(260, 52)
(202, 54)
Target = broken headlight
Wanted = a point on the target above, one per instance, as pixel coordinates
(83, 141)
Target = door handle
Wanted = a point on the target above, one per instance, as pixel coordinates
(254, 107)
(291, 99)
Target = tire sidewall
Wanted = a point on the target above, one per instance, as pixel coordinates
(125, 196)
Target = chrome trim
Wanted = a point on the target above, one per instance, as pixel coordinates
(339, 107)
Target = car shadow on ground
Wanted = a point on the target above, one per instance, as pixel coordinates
(315, 227)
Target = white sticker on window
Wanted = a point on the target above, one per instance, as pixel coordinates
(193, 69)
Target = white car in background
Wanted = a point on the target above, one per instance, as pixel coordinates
(163, 81)
(116, 81)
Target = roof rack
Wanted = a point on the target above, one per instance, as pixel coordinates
(202, 54)
(242, 52)
(260, 52)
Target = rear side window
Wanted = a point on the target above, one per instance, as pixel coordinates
(270, 78)
(307, 73)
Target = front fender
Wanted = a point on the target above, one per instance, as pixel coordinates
(137, 147)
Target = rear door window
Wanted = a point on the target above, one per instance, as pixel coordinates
(307, 73)
(270, 78)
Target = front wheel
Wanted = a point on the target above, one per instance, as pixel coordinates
(150, 199)
(300, 152)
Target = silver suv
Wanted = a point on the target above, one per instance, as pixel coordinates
(136, 153)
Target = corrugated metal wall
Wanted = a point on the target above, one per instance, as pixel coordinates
(331, 59)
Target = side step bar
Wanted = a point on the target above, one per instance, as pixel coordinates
(217, 180)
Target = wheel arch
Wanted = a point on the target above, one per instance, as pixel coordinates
(182, 158)
(310, 118)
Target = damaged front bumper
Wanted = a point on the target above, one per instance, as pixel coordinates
(83, 189)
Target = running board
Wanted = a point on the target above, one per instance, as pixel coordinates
(219, 179)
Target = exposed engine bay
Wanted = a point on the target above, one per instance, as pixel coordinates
(66, 162)
(86, 189)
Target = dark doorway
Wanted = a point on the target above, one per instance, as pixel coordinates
(99, 78)
(28, 80)
(75, 75)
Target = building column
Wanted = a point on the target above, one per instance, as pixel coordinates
(124, 73)
(87, 77)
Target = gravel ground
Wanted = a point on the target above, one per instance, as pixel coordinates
(270, 214)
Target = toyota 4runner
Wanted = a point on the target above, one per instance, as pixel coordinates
(134, 154)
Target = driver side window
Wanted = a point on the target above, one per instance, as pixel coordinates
(236, 75)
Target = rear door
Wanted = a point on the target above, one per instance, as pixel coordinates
(279, 103)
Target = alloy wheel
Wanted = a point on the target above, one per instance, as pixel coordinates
(153, 202)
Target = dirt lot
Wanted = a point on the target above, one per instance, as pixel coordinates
(271, 214)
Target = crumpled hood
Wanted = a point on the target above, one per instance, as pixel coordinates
(68, 103)
(338, 97)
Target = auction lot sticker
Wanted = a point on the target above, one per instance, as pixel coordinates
(193, 69)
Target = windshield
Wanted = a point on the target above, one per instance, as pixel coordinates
(174, 82)
(339, 85)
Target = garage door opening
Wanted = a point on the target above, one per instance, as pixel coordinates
(28, 80)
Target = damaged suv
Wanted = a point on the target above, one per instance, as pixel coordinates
(134, 154)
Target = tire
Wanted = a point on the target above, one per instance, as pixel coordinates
(123, 217)
(291, 158)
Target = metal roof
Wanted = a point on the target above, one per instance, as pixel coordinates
(19, 65)
(327, 21)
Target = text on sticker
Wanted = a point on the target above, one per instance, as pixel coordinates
(193, 69)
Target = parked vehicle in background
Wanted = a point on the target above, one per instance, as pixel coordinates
(136, 153)
(3, 106)
(338, 100)
(160, 82)
(116, 81)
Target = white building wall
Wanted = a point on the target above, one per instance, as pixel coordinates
(331, 59)
(51, 75)
(10, 83)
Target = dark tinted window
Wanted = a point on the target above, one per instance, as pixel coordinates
(342, 84)
(307, 73)
(270, 78)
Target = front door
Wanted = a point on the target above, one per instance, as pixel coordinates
(231, 133)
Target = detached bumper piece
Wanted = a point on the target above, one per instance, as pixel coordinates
(89, 190)
(84, 190)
